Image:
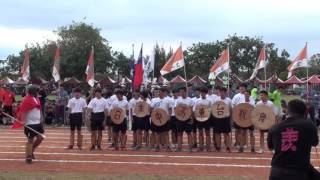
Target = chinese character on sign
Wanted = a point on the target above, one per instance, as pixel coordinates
(262, 117)
(288, 138)
(243, 114)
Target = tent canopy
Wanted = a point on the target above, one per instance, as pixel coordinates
(197, 80)
(178, 79)
(293, 80)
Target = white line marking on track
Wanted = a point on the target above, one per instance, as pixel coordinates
(145, 155)
(146, 163)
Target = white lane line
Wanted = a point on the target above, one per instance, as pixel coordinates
(61, 147)
(147, 163)
(146, 155)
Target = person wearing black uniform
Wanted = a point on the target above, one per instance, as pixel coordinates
(292, 141)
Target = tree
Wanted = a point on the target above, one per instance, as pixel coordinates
(76, 41)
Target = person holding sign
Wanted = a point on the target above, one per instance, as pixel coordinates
(264, 101)
(119, 110)
(201, 108)
(222, 120)
(183, 113)
(161, 108)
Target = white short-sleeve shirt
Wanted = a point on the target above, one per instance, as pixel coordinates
(77, 105)
(201, 101)
(164, 104)
(123, 104)
(98, 105)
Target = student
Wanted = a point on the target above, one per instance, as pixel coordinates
(119, 130)
(223, 126)
(97, 110)
(76, 108)
(184, 126)
(243, 132)
(162, 131)
(292, 141)
(264, 101)
(133, 117)
(143, 123)
(203, 126)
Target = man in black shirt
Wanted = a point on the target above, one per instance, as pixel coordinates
(291, 141)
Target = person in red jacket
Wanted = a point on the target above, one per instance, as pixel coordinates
(8, 98)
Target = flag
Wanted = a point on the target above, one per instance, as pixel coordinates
(56, 65)
(90, 69)
(300, 61)
(148, 67)
(175, 62)
(28, 103)
(25, 69)
(138, 71)
(262, 63)
(221, 65)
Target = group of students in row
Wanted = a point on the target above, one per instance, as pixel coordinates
(205, 135)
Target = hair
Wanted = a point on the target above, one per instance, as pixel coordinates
(98, 89)
(263, 92)
(248, 91)
(119, 91)
(183, 88)
(217, 87)
(77, 90)
(243, 85)
(297, 106)
(223, 89)
(144, 94)
(163, 89)
(204, 89)
(175, 90)
(136, 91)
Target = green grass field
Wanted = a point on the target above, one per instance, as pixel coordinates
(79, 176)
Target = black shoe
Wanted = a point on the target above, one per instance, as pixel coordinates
(240, 150)
(99, 147)
(195, 146)
(28, 160)
(92, 148)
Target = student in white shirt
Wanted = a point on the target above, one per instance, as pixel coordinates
(119, 130)
(76, 108)
(206, 124)
(243, 132)
(184, 126)
(161, 131)
(223, 125)
(264, 101)
(237, 99)
(97, 110)
(194, 125)
(155, 96)
(143, 123)
(133, 117)
(173, 120)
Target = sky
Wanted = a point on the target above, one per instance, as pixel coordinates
(287, 23)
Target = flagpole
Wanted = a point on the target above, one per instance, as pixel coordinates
(229, 72)
(307, 71)
(184, 68)
(154, 61)
(132, 80)
(265, 67)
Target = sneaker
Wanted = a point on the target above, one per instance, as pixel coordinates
(99, 148)
(253, 151)
(195, 146)
(136, 148)
(200, 149)
(92, 148)
(178, 150)
(228, 150)
(261, 151)
(189, 150)
(241, 150)
(168, 149)
(157, 149)
(70, 147)
(28, 160)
